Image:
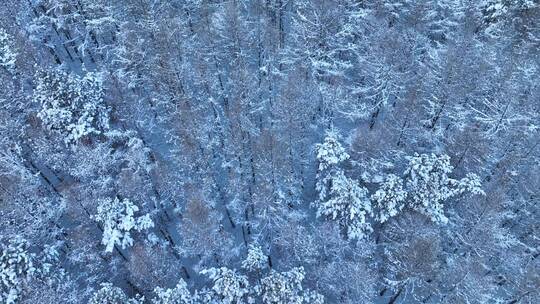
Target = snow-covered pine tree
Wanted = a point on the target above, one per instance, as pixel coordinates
(256, 260)
(229, 287)
(8, 56)
(180, 294)
(389, 199)
(286, 287)
(341, 198)
(16, 268)
(109, 294)
(119, 220)
(428, 185)
(71, 105)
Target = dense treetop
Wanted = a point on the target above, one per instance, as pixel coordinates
(277, 151)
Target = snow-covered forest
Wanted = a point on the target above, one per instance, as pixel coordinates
(269, 151)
